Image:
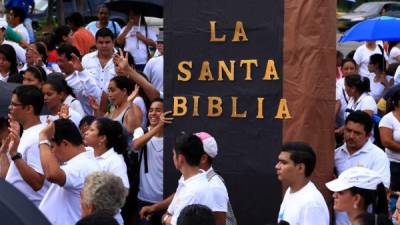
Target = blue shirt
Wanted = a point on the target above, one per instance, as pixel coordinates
(112, 25)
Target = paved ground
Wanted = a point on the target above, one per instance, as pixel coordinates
(346, 47)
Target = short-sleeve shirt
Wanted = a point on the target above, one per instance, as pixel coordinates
(219, 192)
(137, 48)
(112, 25)
(394, 52)
(364, 102)
(361, 56)
(391, 122)
(154, 71)
(21, 30)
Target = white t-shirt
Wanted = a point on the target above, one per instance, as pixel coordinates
(21, 30)
(139, 101)
(220, 194)
(393, 54)
(361, 56)
(364, 102)
(102, 75)
(377, 88)
(112, 162)
(195, 190)
(154, 71)
(391, 122)
(74, 117)
(136, 47)
(304, 207)
(151, 183)
(29, 149)
(61, 205)
(343, 97)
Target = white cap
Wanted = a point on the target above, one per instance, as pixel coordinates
(355, 177)
(3, 23)
(209, 143)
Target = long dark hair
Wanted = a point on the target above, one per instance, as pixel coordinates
(10, 55)
(376, 197)
(393, 101)
(362, 84)
(114, 134)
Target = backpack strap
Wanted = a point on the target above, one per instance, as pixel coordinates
(115, 29)
(143, 153)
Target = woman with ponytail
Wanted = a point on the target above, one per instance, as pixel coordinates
(357, 87)
(107, 139)
(380, 82)
(356, 190)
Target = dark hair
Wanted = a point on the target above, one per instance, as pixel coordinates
(18, 12)
(38, 72)
(157, 100)
(102, 6)
(87, 120)
(378, 59)
(360, 83)
(49, 39)
(376, 197)
(59, 76)
(393, 101)
(30, 95)
(301, 152)
(124, 83)
(191, 147)
(59, 33)
(373, 219)
(9, 53)
(360, 117)
(346, 60)
(68, 50)
(392, 69)
(65, 129)
(196, 214)
(114, 134)
(76, 19)
(99, 217)
(351, 54)
(104, 32)
(42, 49)
(59, 85)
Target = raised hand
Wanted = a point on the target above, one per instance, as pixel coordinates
(64, 112)
(121, 61)
(134, 94)
(14, 131)
(4, 144)
(164, 119)
(76, 63)
(47, 132)
(93, 104)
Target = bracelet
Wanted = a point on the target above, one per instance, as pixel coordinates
(44, 142)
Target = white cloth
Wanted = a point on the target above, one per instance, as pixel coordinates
(391, 122)
(102, 75)
(21, 30)
(195, 190)
(21, 53)
(361, 56)
(25, 67)
(112, 25)
(219, 192)
(364, 102)
(369, 156)
(83, 86)
(136, 47)
(377, 88)
(29, 149)
(154, 71)
(151, 183)
(74, 117)
(307, 206)
(343, 97)
(74, 104)
(61, 204)
(139, 101)
(393, 54)
(112, 162)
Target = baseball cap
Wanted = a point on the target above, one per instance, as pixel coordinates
(3, 23)
(360, 177)
(209, 143)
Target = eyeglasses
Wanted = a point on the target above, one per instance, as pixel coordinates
(13, 104)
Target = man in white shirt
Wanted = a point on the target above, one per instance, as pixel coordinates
(15, 18)
(82, 84)
(100, 63)
(358, 150)
(302, 204)
(24, 171)
(154, 69)
(66, 164)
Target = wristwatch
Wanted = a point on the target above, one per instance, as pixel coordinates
(16, 156)
(44, 142)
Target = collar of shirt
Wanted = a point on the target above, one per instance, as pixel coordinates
(209, 170)
(365, 148)
(106, 154)
(195, 178)
(78, 157)
(360, 98)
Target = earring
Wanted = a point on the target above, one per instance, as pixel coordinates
(354, 206)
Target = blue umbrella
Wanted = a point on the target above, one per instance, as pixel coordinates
(382, 28)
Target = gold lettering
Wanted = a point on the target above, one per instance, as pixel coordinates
(213, 37)
(239, 32)
(229, 73)
(283, 110)
(248, 63)
(180, 108)
(270, 71)
(196, 106)
(185, 71)
(235, 114)
(214, 106)
(260, 111)
(205, 73)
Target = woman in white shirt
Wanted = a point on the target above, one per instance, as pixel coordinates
(380, 82)
(358, 87)
(389, 128)
(394, 55)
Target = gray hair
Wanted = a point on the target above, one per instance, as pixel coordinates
(104, 191)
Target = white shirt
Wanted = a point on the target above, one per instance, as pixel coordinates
(304, 207)
(391, 122)
(73, 116)
(369, 156)
(21, 30)
(21, 53)
(364, 102)
(112, 162)
(377, 88)
(74, 104)
(343, 97)
(136, 47)
(195, 190)
(154, 71)
(29, 149)
(394, 52)
(151, 183)
(361, 56)
(139, 101)
(83, 86)
(61, 204)
(219, 192)
(92, 64)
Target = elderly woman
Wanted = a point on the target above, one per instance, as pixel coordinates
(102, 191)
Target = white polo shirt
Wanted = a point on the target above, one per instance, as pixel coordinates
(195, 190)
(369, 156)
(154, 71)
(29, 149)
(112, 162)
(102, 75)
(61, 204)
(219, 192)
(83, 86)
